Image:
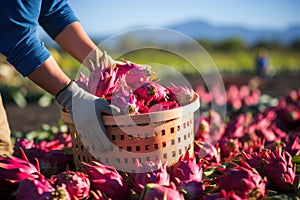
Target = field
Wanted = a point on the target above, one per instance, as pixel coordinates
(251, 153)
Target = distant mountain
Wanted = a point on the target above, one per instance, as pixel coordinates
(204, 30)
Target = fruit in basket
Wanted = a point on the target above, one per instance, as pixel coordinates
(76, 183)
(182, 94)
(151, 93)
(132, 88)
(135, 74)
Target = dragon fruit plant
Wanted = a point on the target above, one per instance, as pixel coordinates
(132, 88)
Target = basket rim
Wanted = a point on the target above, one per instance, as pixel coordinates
(144, 118)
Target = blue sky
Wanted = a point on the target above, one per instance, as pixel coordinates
(112, 16)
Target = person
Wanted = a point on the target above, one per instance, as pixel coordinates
(27, 53)
(262, 63)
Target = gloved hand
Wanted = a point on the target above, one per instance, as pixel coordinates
(94, 60)
(85, 110)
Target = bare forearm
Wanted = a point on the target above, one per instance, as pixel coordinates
(50, 77)
(77, 43)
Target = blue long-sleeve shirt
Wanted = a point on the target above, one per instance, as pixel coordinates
(19, 20)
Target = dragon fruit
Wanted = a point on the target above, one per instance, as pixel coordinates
(222, 195)
(106, 84)
(135, 74)
(202, 129)
(151, 93)
(83, 81)
(182, 94)
(40, 189)
(150, 172)
(192, 190)
(106, 179)
(243, 180)
(154, 191)
(186, 169)
(77, 183)
(51, 162)
(23, 143)
(97, 195)
(13, 169)
(279, 168)
(124, 99)
(164, 105)
(229, 146)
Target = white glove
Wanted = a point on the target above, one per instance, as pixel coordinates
(85, 110)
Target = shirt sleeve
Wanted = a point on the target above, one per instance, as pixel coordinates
(19, 41)
(55, 16)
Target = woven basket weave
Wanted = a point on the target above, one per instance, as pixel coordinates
(164, 136)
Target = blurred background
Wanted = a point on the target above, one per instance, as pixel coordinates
(236, 34)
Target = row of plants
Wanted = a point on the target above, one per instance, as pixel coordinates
(253, 154)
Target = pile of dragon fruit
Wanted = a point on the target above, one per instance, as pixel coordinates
(133, 88)
(256, 156)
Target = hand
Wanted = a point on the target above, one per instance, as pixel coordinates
(98, 59)
(85, 109)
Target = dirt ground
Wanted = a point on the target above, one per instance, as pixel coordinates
(32, 117)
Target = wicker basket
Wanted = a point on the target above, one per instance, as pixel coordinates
(164, 136)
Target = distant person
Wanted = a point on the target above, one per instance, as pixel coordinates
(263, 63)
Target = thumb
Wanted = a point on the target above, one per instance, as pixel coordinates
(103, 106)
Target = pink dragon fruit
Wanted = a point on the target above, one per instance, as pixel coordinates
(186, 169)
(165, 105)
(150, 172)
(182, 94)
(154, 191)
(51, 162)
(13, 169)
(40, 189)
(279, 168)
(77, 183)
(151, 93)
(192, 190)
(124, 99)
(203, 129)
(253, 159)
(102, 82)
(107, 180)
(135, 74)
(97, 195)
(23, 143)
(229, 146)
(243, 180)
(83, 81)
(222, 195)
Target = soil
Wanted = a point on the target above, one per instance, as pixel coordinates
(33, 117)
